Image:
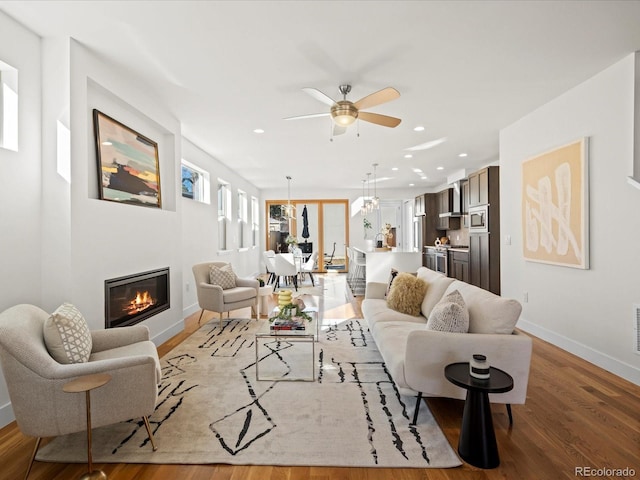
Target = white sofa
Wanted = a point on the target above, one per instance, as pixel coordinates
(416, 357)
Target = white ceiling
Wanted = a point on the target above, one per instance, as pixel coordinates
(464, 70)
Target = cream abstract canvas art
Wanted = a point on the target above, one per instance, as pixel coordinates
(555, 206)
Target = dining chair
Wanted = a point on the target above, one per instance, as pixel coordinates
(286, 267)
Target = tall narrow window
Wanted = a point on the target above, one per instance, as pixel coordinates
(195, 183)
(8, 107)
(255, 221)
(242, 218)
(224, 213)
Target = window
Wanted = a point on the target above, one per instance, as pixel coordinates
(242, 218)
(255, 221)
(224, 213)
(195, 183)
(8, 107)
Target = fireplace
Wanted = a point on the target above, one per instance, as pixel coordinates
(131, 299)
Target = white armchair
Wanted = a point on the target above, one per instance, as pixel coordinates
(214, 298)
(35, 379)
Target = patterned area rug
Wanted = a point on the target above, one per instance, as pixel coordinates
(211, 408)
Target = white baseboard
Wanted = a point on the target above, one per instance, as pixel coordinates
(6, 415)
(190, 310)
(168, 333)
(602, 360)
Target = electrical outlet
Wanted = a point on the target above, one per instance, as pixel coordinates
(507, 239)
(525, 297)
(187, 286)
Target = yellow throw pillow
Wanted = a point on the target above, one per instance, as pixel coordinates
(407, 293)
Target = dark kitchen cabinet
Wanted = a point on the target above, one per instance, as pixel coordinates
(479, 187)
(465, 204)
(445, 205)
(459, 268)
(484, 248)
(484, 263)
(429, 260)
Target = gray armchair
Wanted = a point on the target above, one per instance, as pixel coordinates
(216, 299)
(35, 380)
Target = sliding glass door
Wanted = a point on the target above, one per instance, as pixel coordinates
(314, 226)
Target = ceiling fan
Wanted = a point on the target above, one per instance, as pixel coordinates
(344, 112)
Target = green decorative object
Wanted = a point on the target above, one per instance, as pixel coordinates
(287, 312)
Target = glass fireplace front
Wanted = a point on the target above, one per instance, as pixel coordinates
(134, 298)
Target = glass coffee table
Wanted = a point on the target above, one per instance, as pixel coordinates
(274, 348)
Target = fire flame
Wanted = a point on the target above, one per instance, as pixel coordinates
(141, 302)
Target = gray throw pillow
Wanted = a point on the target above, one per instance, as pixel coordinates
(450, 314)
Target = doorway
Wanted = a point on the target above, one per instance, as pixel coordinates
(326, 231)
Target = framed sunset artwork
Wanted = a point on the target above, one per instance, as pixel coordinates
(128, 163)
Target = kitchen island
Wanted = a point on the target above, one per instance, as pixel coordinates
(379, 264)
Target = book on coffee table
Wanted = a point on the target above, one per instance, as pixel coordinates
(288, 324)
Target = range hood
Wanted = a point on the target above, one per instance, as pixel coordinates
(455, 209)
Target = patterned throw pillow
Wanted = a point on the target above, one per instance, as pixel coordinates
(450, 314)
(407, 293)
(222, 276)
(67, 335)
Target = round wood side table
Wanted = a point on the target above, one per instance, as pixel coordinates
(477, 444)
(86, 384)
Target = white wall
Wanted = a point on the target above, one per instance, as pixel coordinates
(108, 239)
(588, 312)
(200, 226)
(20, 184)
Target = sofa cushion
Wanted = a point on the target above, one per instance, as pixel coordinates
(438, 284)
(391, 340)
(488, 313)
(450, 314)
(406, 294)
(222, 276)
(67, 335)
(375, 310)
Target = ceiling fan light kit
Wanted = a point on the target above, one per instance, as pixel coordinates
(346, 112)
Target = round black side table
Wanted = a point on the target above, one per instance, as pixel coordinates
(477, 444)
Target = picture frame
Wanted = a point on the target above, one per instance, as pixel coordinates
(555, 206)
(128, 163)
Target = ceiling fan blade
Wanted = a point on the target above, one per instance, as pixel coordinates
(339, 130)
(377, 98)
(318, 95)
(311, 115)
(378, 119)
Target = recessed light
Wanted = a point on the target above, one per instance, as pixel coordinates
(417, 170)
(462, 155)
(395, 169)
(258, 130)
(419, 128)
(423, 178)
(408, 155)
(412, 184)
(440, 168)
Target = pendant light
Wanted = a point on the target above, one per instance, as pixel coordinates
(288, 207)
(375, 202)
(369, 203)
(363, 207)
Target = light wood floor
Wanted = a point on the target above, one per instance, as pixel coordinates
(576, 415)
